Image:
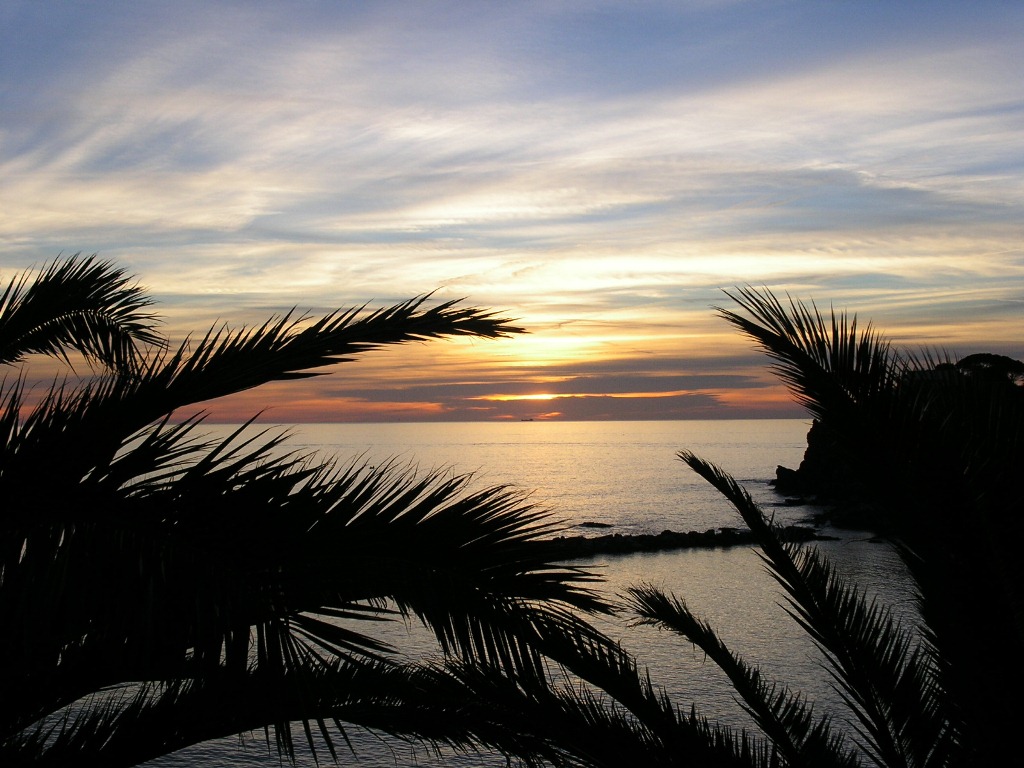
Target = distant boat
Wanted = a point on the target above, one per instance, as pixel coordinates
(526, 419)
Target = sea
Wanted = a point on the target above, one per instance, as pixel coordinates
(625, 477)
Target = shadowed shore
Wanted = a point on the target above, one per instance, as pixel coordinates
(623, 544)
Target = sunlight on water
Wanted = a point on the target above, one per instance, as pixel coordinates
(626, 475)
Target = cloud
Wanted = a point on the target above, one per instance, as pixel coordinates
(600, 171)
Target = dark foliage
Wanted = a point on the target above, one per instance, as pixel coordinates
(159, 588)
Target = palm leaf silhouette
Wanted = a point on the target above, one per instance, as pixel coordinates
(82, 304)
(887, 679)
(139, 555)
(785, 717)
(944, 448)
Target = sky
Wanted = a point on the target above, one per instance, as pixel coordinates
(599, 171)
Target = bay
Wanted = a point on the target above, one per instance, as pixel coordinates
(627, 476)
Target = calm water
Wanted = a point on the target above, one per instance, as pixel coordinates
(626, 475)
(621, 473)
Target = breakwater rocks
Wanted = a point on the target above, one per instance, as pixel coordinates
(622, 544)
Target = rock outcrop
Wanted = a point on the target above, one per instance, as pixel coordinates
(827, 477)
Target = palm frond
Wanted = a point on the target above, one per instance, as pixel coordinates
(214, 538)
(889, 682)
(237, 567)
(943, 449)
(577, 726)
(87, 426)
(827, 364)
(785, 717)
(628, 704)
(82, 304)
(287, 347)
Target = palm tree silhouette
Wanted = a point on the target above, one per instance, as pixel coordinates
(946, 451)
(159, 588)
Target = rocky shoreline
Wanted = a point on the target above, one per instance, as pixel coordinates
(623, 544)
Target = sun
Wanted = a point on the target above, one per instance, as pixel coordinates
(506, 398)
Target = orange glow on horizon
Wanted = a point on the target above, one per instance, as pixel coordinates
(509, 398)
(584, 395)
(239, 408)
(775, 398)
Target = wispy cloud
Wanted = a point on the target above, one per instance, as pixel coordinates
(598, 170)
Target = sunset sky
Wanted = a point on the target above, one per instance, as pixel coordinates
(599, 171)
